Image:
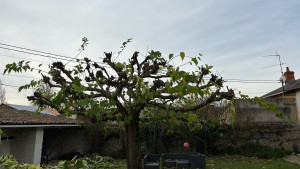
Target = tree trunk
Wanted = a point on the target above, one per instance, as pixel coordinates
(134, 160)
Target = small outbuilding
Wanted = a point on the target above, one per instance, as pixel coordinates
(28, 136)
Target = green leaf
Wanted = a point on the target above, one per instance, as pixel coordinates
(182, 55)
(171, 56)
(195, 61)
(119, 65)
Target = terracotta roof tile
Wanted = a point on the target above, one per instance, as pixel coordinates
(52, 111)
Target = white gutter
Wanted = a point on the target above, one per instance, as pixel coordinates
(38, 125)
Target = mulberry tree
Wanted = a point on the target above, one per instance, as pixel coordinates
(128, 92)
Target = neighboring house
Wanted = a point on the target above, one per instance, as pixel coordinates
(291, 87)
(289, 94)
(27, 135)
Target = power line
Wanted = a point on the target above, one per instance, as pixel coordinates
(102, 64)
(30, 59)
(69, 59)
(33, 53)
(19, 76)
(8, 85)
(253, 80)
(258, 80)
(48, 53)
(226, 80)
(272, 66)
(24, 58)
(249, 82)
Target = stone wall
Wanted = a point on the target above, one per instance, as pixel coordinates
(279, 135)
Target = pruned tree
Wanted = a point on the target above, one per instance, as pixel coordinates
(2, 94)
(128, 92)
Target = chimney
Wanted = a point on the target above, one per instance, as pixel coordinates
(289, 75)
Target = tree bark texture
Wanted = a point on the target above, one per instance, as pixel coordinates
(134, 160)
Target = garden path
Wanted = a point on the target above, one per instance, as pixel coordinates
(294, 158)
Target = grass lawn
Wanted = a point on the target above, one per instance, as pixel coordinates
(238, 162)
(241, 162)
(212, 162)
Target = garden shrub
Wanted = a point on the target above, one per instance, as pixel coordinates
(9, 162)
(99, 135)
(262, 151)
(88, 162)
(97, 161)
(230, 150)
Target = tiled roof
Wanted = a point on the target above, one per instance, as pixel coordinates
(28, 108)
(52, 111)
(292, 85)
(11, 116)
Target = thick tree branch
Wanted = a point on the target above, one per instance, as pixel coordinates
(217, 96)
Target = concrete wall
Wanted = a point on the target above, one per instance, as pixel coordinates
(37, 152)
(5, 146)
(25, 144)
(287, 106)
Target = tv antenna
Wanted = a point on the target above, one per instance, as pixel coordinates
(282, 78)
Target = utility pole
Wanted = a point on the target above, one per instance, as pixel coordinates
(281, 79)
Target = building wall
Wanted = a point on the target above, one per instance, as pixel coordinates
(25, 144)
(298, 105)
(37, 152)
(5, 146)
(287, 106)
(59, 142)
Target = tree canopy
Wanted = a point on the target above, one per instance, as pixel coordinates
(109, 90)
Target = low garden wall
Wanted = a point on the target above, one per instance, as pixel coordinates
(208, 141)
(279, 135)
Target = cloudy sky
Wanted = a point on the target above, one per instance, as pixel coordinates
(232, 35)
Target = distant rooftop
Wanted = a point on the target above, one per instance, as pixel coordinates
(12, 116)
(290, 86)
(28, 108)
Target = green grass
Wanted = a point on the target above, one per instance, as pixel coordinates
(213, 162)
(241, 162)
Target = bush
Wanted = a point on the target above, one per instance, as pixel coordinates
(96, 161)
(262, 151)
(230, 150)
(8, 161)
(91, 161)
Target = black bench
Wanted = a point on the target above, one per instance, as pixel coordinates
(175, 160)
(152, 161)
(197, 160)
(182, 160)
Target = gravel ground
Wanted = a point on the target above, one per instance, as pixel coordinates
(293, 158)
